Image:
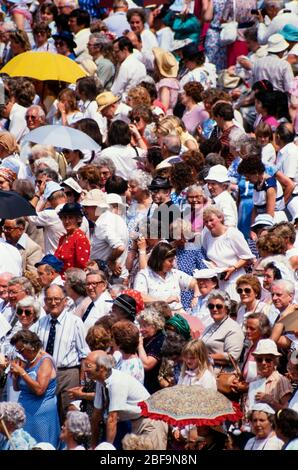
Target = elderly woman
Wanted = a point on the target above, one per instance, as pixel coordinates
(106, 169)
(74, 247)
(37, 382)
(249, 289)
(75, 286)
(160, 281)
(226, 248)
(76, 431)
(149, 349)
(141, 200)
(74, 160)
(262, 422)
(207, 281)
(196, 203)
(271, 387)
(224, 336)
(13, 417)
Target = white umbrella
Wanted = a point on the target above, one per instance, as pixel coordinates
(63, 137)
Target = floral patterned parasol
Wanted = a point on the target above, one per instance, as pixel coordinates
(190, 404)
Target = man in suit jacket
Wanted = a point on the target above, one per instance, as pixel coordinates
(30, 252)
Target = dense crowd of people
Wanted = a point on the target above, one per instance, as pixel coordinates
(162, 249)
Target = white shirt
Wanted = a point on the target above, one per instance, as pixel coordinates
(125, 392)
(81, 39)
(18, 126)
(10, 259)
(52, 226)
(101, 308)
(227, 205)
(124, 159)
(269, 443)
(293, 403)
(165, 38)
(268, 154)
(287, 161)
(110, 232)
(150, 283)
(90, 110)
(276, 25)
(131, 72)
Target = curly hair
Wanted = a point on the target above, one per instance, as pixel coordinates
(152, 317)
(139, 96)
(284, 230)
(271, 244)
(195, 159)
(126, 336)
(135, 442)
(13, 414)
(181, 176)
(194, 90)
(98, 338)
(252, 281)
(78, 423)
(27, 337)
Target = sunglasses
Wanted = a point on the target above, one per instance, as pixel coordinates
(136, 119)
(259, 360)
(59, 43)
(217, 306)
(246, 290)
(68, 193)
(26, 311)
(29, 116)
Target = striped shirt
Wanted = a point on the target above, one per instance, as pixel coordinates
(70, 346)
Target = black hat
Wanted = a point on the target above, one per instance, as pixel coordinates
(67, 37)
(71, 208)
(159, 183)
(128, 304)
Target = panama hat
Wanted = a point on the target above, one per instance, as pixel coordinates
(166, 62)
(106, 99)
(95, 198)
(266, 346)
(262, 220)
(218, 173)
(277, 43)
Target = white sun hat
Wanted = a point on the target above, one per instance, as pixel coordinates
(218, 173)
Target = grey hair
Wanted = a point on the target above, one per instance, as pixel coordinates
(172, 142)
(220, 294)
(104, 161)
(235, 136)
(288, 286)
(41, 113)
(142, 179)
(30, 301)
(48, 161)
(152, 317)
(195, 188)
(107, 361)
(24, 282)
(275, 3)
(101, 40)
(78, 423)
(12, 413)
(76, 278)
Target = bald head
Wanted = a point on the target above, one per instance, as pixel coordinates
(55, 300)
(99, 365)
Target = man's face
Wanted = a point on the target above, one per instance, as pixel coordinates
(73, 25)
(280, 297)
(94, 286)
(120, 55)
(4, 35)
(160, 196)
(3, 287)
(16, 292)
(55, 301)
(32, 119)
(109, 111)
(12, 231)
(45, 275)
(64, 7)
(93, 48)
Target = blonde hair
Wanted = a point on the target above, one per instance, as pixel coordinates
(139, 96)
(213, 211)
(170, 125)
(135, 442)
(197, 349)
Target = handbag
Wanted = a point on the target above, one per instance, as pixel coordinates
(228, 33)
(226, 381)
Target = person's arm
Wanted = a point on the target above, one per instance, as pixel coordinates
(196, 292)
(112, 260)
(277, 331)
(220, 359)
(96, 419)
(207, 11)
(164, 94)
(240, 264)
(148, 361)
(40, 385)
(19, 20)
(111, 426)
(270, 201)
(287, 184)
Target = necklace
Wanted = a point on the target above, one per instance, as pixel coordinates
(33, 360)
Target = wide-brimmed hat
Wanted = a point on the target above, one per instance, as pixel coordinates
(168, 163)
(166, 62)
(95, 198)
(266, 346)
(180, 43)
(204, 273)
(218, 173)
(71, 208)
(113, 198)
(71, 183)
(262, 220)
(159, 183)
(106, 99)
(277, 43)
(52, 261)
(51, 187)
(290, 33)
(67, 37)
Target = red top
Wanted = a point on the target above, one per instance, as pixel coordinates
(74, 250)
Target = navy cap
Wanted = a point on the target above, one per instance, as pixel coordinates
(51, 260)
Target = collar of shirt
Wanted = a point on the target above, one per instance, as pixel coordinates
(22, 241)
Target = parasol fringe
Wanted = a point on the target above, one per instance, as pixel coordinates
(236, 416)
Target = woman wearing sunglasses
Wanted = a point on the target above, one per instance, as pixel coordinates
(249, 289)
(271, 387)
(224, 336)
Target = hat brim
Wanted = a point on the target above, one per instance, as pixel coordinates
(103, 106)
(264, 353)
(94, 204)
(217, 180)
(152, 188)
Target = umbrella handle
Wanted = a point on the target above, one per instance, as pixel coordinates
(7, 433)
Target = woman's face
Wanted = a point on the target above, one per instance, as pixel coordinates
(217, 309)
(213, 223)
(247, 294)
(104, 175)
(16, 47)
(263, 140)
(64, 432)
(40, 38)
(265, 365)
(252, 329)
(268, 278)
(139, 122)
(206, 286)
(195, 198)
(168, 265)
(136, 24)
(70, 222)
(185, 99)
(83, 183)
(253, 179)
(70, 156)
(47, 17)
(146, 329)
(135, 191)
(26, 316)
(25, 351)
(4, 184)
(261, 425)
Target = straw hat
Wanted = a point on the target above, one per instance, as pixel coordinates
(95, 198)
(166, 62)
(106, 99)
(277, 43)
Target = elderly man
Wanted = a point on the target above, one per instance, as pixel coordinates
(63, 337)
(116, 401)
(110, 239)
(279, 18)
(29, 250)
(101, 301)
(35, 117)
(97, 45)
(283, 292)
(65, 7)
(4, 280)
(18, 288)
(111, 108)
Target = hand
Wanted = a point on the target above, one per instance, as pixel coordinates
(16, 369)
(244, 62)
(115, 267)
(135, 131)
(228, 272)
(75, 393)
(259, 396)
(235, 94)
(194, 302)
(61, 107)
(171, 299)
(42, 185)
(141, 243)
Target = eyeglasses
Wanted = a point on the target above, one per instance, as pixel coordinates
(246, 290)
(8, 229)
(30, 116)
(11, 293)
(57, 300)
(89, 284)
(26, 311)
(136, 119)
(259, 360)
(217, 306)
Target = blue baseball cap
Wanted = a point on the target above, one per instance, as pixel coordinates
(52, 261)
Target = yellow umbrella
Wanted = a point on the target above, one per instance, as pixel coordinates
(44, 66)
